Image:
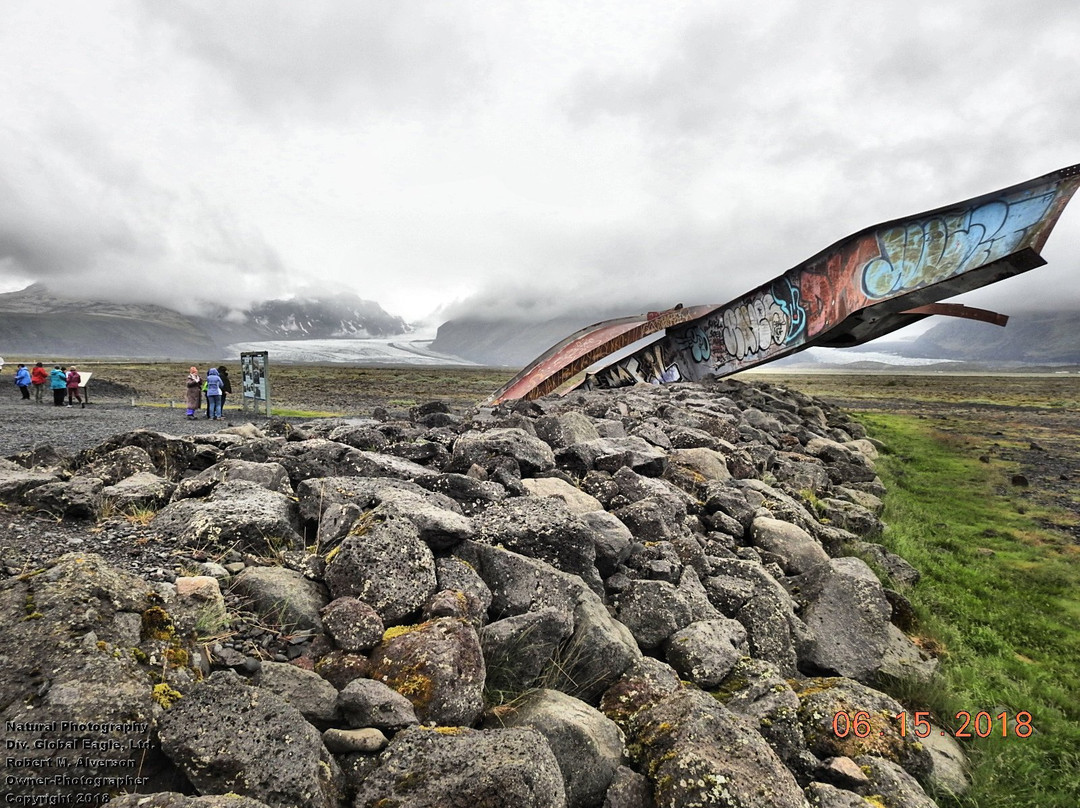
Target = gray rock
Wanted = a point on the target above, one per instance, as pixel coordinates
(347, 741)
(467, 769)
(899, 570)
(611, 539)
(544, 529)
(704, 652)
(653, 611)
(948, 763)
(271, 476)
(757, 691)
(521, 651)
(326, 458)
(15, 481)
(79, 497)
(576, 501)
(654, 518)
(822, 699)
(305, 690)
(119, 464)
(283, 597)
(797, 549)
(144, 489)
(565, 429)
(845, 608)
(851, 517)
(439, 527)
(645, 683)
(628, 789)
(453, 574)
(611, 454)
(897, 788)
(823, 795)
(238, 514)
(369, 703)
(218, 735)
(482, 448)
(386, 565)
(438, 666)
(352, 624)
(587, 745)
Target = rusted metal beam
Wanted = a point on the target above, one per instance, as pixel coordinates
(863, 287)
(962, 311)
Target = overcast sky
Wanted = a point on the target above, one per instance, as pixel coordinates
(506, 156)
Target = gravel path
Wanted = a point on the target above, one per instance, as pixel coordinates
(24, 425)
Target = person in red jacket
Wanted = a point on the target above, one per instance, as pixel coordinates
(73, 381)
(38, 377)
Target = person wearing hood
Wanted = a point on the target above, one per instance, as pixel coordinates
(22, 381)
(213, 393)
(193, 397)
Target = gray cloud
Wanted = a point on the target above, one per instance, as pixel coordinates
(332, 59)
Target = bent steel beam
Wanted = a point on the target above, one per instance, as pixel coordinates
(863, 287)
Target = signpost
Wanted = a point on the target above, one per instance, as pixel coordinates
(255, 372)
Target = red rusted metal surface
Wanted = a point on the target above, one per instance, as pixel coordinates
(863, 287)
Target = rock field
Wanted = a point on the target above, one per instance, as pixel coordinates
(657, 596)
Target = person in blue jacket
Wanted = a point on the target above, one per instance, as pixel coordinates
(22, 381)
(58, 383)
(213, 394)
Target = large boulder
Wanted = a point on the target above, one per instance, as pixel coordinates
(484, 449)
(545, 529)
(238, 514)
(386, 565)
(271, 476)
(697, 752)
(466, 769)
(587, 744)
(797, 550)
(846, 609)
(704, 652)
(520, 651)
(228, 736)
(438, 666)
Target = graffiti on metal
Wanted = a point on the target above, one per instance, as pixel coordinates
(862, 287)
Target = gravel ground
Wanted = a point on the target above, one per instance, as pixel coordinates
(24, 425)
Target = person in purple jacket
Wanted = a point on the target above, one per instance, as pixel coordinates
(213, 393)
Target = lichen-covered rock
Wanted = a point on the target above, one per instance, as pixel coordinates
(386, 565)
(892, 784)
(698, 754)
(653, 611)
(352, 624)
(305, 690)
(704, 652)
(465, 769)
(171, 456)
(646, 682)
(227, 736)
(587, 745)
(755, 690)
(453, 574)
(611, 540)
(238, 514)
(545, 529)
(144, 489)
(79, 497)
(822, 700)
(326, 458)
(70, 635)
(439, 527)
(575, 500)
(611, 454)
(283, 597)
(438, 666)
(114, 466)
(628, 789)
